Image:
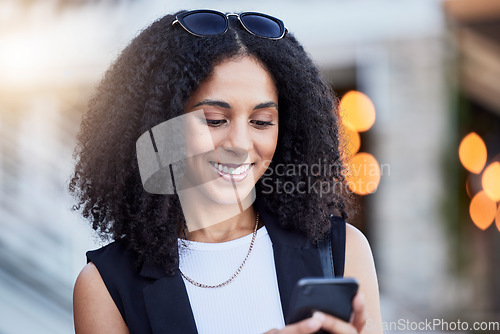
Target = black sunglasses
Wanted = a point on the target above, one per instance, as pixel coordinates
(206, 22)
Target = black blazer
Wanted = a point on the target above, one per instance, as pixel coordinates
(152, 302)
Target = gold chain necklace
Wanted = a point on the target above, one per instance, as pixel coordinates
(201, 285)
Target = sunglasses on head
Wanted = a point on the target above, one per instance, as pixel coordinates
(206, 23)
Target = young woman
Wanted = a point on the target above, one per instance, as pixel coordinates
(194, 157)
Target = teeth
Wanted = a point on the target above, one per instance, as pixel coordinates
(231, 170)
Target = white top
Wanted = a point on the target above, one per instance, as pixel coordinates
(248, 304)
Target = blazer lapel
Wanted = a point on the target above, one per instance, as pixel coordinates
(295, 257)
(167, 303)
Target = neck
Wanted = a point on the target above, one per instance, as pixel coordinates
(216, 222)
(230, 229)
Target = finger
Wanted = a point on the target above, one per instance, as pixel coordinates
(336, 325)
(309, 325)
(359, 311)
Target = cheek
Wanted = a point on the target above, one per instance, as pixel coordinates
(266, 145)
(198, 140)
(216, 139)
(196, 146)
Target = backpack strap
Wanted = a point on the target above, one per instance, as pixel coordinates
(336, 239)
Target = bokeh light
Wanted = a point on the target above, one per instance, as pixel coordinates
(364, 174)
(472, 153)
(497, 219)
(491, 181)
(482, 210)
(357, 110)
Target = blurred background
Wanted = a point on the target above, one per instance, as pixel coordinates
(420, 88)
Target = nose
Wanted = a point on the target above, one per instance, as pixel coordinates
(238, 139)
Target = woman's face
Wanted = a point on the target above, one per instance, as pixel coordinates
(239, 102)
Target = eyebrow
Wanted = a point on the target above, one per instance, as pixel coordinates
(266, 105)
(216, 103)
(226, 105)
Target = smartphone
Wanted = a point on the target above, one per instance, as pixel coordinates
(329, 295)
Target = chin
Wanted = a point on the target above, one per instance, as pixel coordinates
(227, 196)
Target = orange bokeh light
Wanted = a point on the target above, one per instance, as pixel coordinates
(364, 174)
(497, 219)
(491, 181)
(357, 110)
(351, 142)
(482, 210)
(472, 153)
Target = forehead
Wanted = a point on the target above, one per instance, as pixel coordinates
(242, 75)
(246, 64)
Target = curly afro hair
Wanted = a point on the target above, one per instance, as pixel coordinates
(148, 84)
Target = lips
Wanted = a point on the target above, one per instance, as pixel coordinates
(232, 172)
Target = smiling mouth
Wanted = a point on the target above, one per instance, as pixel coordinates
(231, 169)
(232, 172)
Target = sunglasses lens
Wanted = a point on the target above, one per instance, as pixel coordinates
(205, 23)
(263, 25)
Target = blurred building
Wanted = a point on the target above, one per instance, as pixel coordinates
(475, 27)
(419, 63)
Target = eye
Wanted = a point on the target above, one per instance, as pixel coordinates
(261, 124)
(215, 122)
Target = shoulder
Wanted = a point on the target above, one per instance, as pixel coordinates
(358, 254)
(359, 264)
(115, 264)
(114, 251)
(356, 243)
(94, 309)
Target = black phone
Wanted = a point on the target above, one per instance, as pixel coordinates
(329, 295)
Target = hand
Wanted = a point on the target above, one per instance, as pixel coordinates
(329, 323)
